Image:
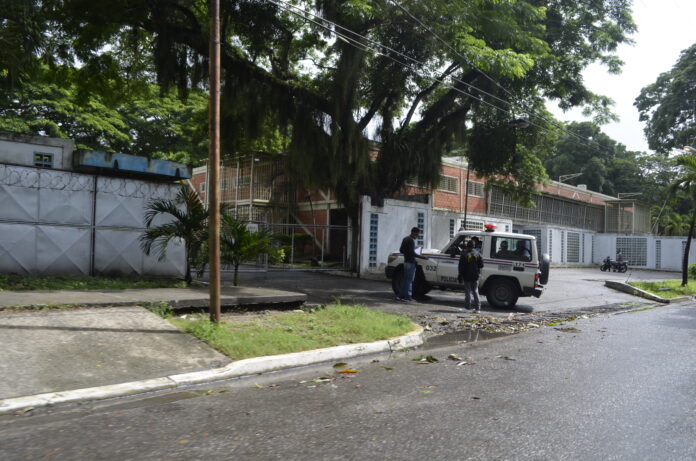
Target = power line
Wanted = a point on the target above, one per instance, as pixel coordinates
(491, 79)
(364, 47)
(357, 44)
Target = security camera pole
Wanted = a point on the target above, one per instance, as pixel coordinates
(214, 163)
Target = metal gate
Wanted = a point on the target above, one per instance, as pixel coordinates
(55, 222)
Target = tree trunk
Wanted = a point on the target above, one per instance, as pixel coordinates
(187, 277)
(685, 262)
(236, 271)
(354, 217)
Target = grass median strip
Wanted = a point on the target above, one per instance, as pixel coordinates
(667, 288)
(296, 331)
(12, 282)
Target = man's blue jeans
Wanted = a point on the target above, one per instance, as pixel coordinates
(406, 290)
(471, 291)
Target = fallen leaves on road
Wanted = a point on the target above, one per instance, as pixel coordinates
(339, 364)
(347, 371)
(569, 330)
(454, 357)
(426, 359)
(505, 357)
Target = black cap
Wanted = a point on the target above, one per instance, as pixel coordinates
(415, 230)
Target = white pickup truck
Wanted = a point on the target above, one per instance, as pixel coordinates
(512, 267)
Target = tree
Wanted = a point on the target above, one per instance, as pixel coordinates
(239, 244)
(188, 222)
(143, 123)
(605, 164)
(686, 182)
(668, 106)
(284, 70)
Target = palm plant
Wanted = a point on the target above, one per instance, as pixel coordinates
(188, 222)
(239, 244)
(686, 181)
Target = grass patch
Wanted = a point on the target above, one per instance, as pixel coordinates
(295, 331)
(667, 288)
(12, 282)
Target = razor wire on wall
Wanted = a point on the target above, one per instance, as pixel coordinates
(57, 222)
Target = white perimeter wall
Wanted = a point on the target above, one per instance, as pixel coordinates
(664, 253)
(393, 222)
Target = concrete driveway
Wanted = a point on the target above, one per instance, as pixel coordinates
(568, 289)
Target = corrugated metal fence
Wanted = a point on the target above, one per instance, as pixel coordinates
(56, 222)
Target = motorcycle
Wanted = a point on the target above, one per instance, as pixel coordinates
(614, 266)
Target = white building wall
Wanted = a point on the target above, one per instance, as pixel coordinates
(394, 221)
(19, 149)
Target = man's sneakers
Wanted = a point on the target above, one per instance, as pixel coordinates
(404, 300)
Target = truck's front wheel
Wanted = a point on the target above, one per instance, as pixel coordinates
(502, 293)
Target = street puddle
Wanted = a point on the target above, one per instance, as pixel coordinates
(461, 337)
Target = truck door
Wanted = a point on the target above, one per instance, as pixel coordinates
(448, 262)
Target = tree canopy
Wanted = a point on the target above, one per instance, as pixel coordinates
(605, 165)
(668, 106)
(454, 80)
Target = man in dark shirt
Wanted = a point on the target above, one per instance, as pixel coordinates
(470, 264)
(408, 249)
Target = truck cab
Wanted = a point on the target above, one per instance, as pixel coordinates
(512, 267)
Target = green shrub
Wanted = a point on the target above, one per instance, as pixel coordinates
(692, 271)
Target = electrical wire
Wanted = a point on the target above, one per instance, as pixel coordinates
(491, 79)
(300, 12)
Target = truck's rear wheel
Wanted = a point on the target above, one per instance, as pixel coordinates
(502, 293)
(420, 287)
(397, 280)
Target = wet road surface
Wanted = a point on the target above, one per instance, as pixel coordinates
(619, 387)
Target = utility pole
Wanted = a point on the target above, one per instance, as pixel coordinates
(214, 162)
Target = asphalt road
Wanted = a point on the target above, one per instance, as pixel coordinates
(614, 387)
(568, 289)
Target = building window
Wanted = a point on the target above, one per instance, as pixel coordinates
(658, 254)
(421, 226)
(374, 226)
(550, 243)
(43, 160)
(474, 189)
(451, 227)
(202, 187)
(471, 225)
(573, 247)
(634, 250)
(448, 184)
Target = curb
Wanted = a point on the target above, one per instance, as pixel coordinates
(236, 369)
(626, 288)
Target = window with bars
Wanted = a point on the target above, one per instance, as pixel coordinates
(536, 233)
(634, 250)
(43, 160)
(550, 243)
(573, 241)
(448, 184)
(474, 189)
(421, 226)
(563, 247)
(471, 225)
(374, 227)
(658, 254)
(451, 227)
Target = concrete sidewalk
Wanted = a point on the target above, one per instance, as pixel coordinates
(54, 356)
(176, 297)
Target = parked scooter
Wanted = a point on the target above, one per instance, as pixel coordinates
(614, 266)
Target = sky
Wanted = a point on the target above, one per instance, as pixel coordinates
(665, 28)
